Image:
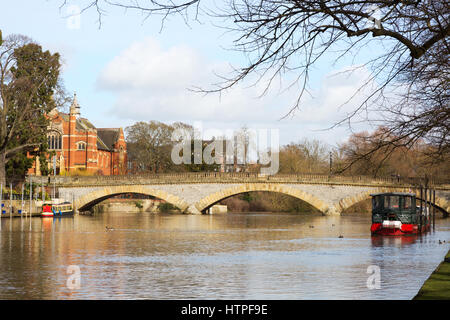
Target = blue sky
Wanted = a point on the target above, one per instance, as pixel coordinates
(130, 70)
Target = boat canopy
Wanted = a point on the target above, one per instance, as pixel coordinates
(393, 201)
(407, 194)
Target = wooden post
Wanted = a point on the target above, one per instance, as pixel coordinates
(73, 204)
(431, 207)
(434, 208)
(31, 195)
(428, 203)
(425, 196)
(428, 196)
(10, 200)
(421, 209)
(21, 210)
(1, 198)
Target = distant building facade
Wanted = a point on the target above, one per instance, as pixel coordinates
(78, 146)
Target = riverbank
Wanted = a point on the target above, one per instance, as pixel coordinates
(437, 286)
(17, 208)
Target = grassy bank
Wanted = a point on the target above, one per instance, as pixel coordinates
(437, 287)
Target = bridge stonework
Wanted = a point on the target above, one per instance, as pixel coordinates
(196, 197)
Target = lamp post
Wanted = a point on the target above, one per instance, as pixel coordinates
(331, 162)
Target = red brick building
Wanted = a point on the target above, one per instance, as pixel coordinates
(81, 147)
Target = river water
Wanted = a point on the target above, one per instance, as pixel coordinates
(229, 256)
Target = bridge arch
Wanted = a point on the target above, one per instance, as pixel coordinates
(441, 204)
(350, 201)
(96, 196)
(215, 197)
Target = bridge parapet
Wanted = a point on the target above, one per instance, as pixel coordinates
(213, 177)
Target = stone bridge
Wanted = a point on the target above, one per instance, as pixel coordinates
(194, 193)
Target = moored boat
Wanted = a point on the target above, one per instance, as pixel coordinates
(54, 209)
(397, 214)
(47, 209)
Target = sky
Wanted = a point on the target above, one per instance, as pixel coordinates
(131, 69)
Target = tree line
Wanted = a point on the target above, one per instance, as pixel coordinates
(150, 145)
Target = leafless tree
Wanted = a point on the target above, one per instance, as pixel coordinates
(306, 156)
(388, 159)
(149, 145)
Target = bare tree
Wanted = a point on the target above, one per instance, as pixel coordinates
(149, 145)
(358, 154)
(306, 156)
(283, 36)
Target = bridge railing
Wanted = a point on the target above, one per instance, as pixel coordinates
(238, 177)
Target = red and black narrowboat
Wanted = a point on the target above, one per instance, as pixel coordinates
(397, 214)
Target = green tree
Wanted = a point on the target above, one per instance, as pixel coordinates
(28, 79)
(18, 165)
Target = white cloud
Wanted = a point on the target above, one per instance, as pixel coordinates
(146, 66)
(151, 83)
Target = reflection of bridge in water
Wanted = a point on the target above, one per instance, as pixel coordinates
(194, 193)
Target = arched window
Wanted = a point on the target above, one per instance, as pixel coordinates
(54, 140)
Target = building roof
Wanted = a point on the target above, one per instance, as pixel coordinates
(65, 116)
(107, 137)
(84, 124)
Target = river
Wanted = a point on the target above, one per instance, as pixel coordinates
(228, 256)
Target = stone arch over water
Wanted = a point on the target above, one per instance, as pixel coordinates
(89, 200)
(215, 197)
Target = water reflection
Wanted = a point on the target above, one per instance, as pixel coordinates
(233, 256)
(396, 241)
